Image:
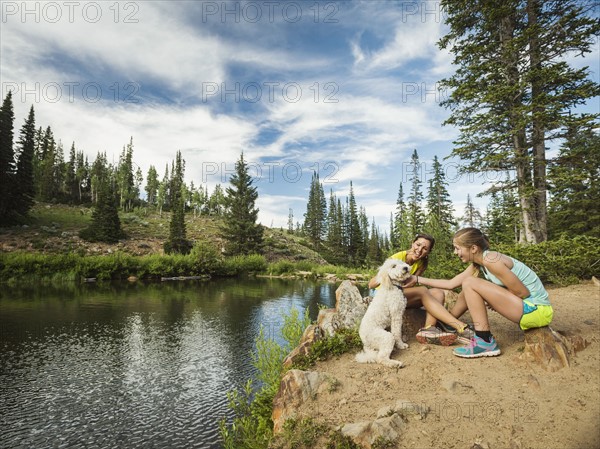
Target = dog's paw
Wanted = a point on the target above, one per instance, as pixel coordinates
(392, 363)
(401, 345)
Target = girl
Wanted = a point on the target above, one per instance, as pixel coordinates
(417, 257)
(509, 287)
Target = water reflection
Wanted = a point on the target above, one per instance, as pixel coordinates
(133, 365)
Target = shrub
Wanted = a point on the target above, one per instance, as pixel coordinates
(252, 427)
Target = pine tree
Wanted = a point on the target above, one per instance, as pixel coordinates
(24, 178)
(290, 223)
(98, 172)
(243, 235)
(71, 186)
(7, 161)
(353, 230)
(105, 225)
(574, 186)
(334, 240)
(48, 189)
(513, 87)
(472, 217)
(501, 218)
(217, 201)
(375, 252)
(415, 217)
(125, 177)
(400, 234)
(59, 174)
(439, 221)
(82, 171)
(177, 241)
(316, 213)
(152, 184)
(163, 191)
(439, 204)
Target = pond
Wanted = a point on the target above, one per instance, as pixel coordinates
(134, 365)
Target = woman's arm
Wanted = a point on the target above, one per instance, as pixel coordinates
(507, 277)
(447, 284)
(374, 282)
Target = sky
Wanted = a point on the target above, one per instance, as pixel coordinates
(345, 89)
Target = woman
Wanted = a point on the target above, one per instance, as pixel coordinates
(417, 258)
(509, 287)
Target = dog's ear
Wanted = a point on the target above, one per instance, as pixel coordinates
(383, 275)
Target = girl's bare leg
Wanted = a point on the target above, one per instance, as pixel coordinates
(434, 305)
(479, 291)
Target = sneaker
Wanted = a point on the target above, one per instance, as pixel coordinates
(478, 347)
(436, 336)
(463, 337)
(466, 335)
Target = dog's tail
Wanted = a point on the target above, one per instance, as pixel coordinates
(366, 356)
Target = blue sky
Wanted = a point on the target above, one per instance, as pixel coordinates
(345, 88)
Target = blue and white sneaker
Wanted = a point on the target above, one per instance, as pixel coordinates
(478, 347)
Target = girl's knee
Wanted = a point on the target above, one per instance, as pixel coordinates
(438, 295)
(470, 282)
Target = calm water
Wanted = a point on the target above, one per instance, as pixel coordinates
(133, 365)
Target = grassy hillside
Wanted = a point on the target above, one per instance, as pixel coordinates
(54, 228)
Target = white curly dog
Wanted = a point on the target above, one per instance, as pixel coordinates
(385, 312)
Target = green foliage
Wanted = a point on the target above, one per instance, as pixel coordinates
(316, 213)
(282, 267)
(343, 341)
(206, 258)
(574, 186)
(105, 225)
(514, 89)
(562, 261)
(252, 427)
(7, 168)
(253, 263)
(240, 229)
(293, 327)
(177, 242)
(249, 429)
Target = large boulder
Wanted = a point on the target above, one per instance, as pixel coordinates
(388, 428)
(296, 388)
(551, 349)
(350, 305)
(311, 334)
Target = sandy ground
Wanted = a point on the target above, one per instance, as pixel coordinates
(495, 402)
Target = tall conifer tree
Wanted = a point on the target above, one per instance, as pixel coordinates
(513, 88)
(177, 241)
(243, 235)
(24, 178)
(7, 160)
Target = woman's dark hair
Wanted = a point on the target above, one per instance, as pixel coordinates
(431, 240)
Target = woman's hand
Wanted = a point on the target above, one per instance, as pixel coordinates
(410, 282)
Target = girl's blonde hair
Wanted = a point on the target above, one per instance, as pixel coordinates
(468, 237)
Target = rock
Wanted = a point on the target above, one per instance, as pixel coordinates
(414, 319)
(404, 408)
(573, 342)
(367, 432)
(533, 382)
(350, 305)
(132, 278)
(328, 321)
(547, 348)
(311, 334)
(596, 281)
(452, 386)
(296, 388)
